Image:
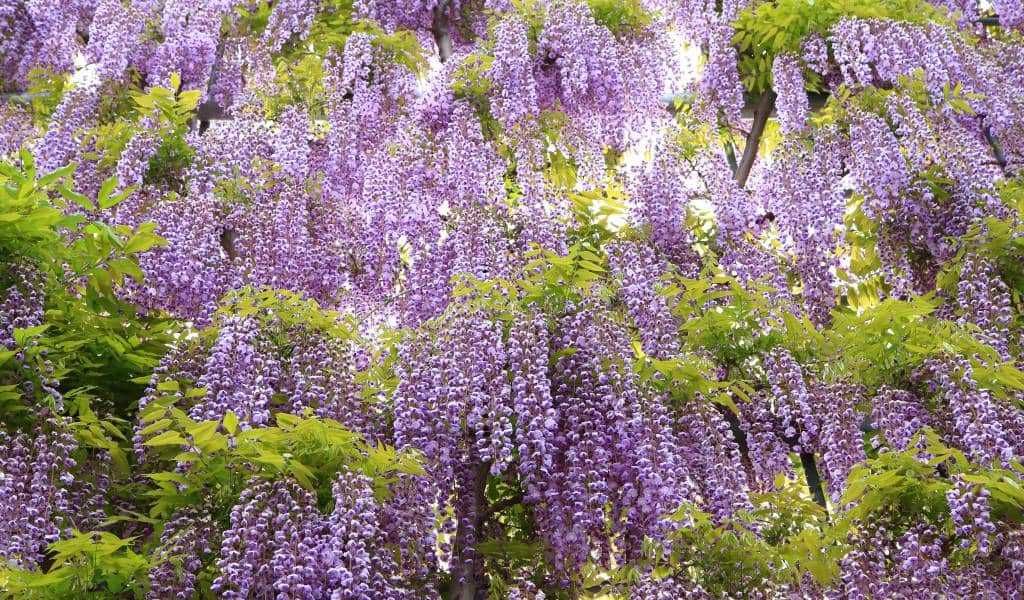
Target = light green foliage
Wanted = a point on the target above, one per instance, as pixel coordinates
(170, 162)
(621, 17)
(379, 381)
(796, 536)
(45, 90)
(470, 78)
(251, 18)
(564, 279)
(561, 280)
(554, 281)
(843, 101)
(1000, 240)
(794, 527)
(299, 66)
(729, 558)
(173, 110)
(335, 21)
(861, 283)
(471, 83)
(299, 79)
(881, 342)
(100, 345)
(106, 434)
(533, 13)
(551, 280)
(117, 98)
(223, 456)
(174, 106)
(121, 106)
(719, 315)
(884, 343)
(285, 310)
(90, 336)
(90, 565)
(108, 141)
(400, 46)
(902, 489)
(683, 378)
(899, 484)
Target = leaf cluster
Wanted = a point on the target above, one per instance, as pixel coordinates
(621, 17)
(95, 565)
(214, 460)
(90, 336)
(719, 315)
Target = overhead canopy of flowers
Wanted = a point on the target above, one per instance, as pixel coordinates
(525, 299)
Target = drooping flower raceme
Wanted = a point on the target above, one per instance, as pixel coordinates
(792, 102)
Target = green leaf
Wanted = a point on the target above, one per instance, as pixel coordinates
(168, 386)
(56, 175)
(509, 549)
(302, 474)
(231, 422)
(170, 476)
(167, 438)
(287, 420)
(206, 438)
(23, 334)
(143, 240)
(79, 199)
(104, 197)
(155, 426)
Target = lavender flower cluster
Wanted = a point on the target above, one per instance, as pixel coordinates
(279, 541)
(36, 479)
(421, 204)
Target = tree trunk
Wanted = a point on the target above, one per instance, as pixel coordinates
(466, 585)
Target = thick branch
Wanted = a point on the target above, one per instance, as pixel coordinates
(211, 110)
(497, 507)
(813, 478)
(227, 242)
(763, 110)
(441, 31)
(738, 435)
(466, 586)
(811, 474)
(807, 460)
